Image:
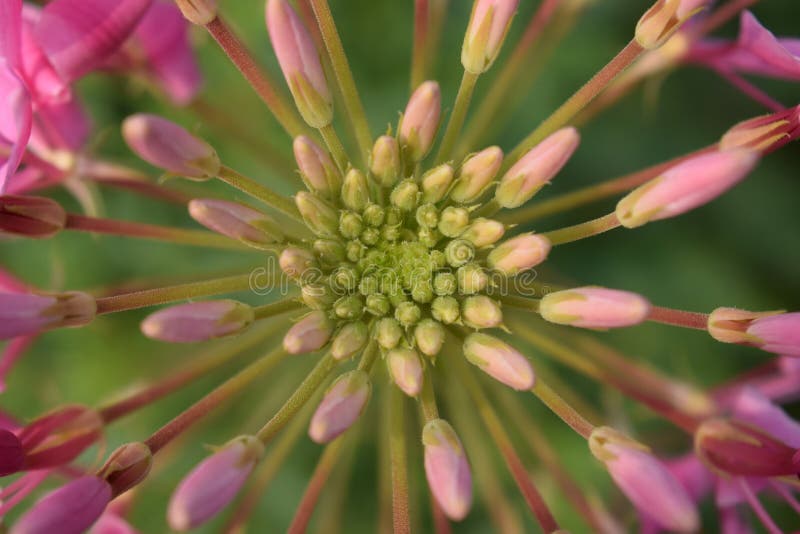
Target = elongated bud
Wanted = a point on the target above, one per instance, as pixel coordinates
(126, 467)
(421, 120)
(33, 217)
(25, 313)
(436, 183)
(447, 469)
(481, 312)
(499, 360)
(663, 19)
(686, 186)
(536, 168)
(309, 334)
(405, 368)
(350, 340)
(168, 146)
(56, 438)
(646, 481)
(740, 449)
(486, 32)
(355, 191)
(213, 484)
(778, 333)
(385, 162)
(484, 232)
(594, 307)
(320, 217)
(729, 325)
(297, 262)
(519, 254)
(329, 251)
(300, 63)
(445, 310)
(199, 12)
(316, 167)
(342, 405)
(73, 508)
(429, 336)
(388, 333)
(476, 175)
(405, 195)
(471, 279)
(198, 321)
(764, 134)
(236, 221)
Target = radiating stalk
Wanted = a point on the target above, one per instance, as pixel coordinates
(341, 68)
(399, 463)
(562, 409)
(685, 319)
(583, 230)
(422, 16)
(267, 311)
(438, 15)
(459, 113)
(259, 192)
(335, 147)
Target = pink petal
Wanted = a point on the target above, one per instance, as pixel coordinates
(15, 122)
(71, 509)
(764, 53)
(10, 31)
(750, 406)
(62, 125)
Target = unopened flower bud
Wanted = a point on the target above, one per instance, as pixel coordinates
(686, 186)
(594, 307)
(25, 313)
(429, 336)
(729, 325)
(385, 161)
(476, 175)
(126, 467)
(330, 251)
(388, 333)
(355, 250)
(436, 183)
(471, 279)
(647, 482)
(427, 216)
(499, 360)
(777, 333)
(317, 296)
(316, 167)
(32, 217)
(519, 254)
(350, 340)
(168, 146)
(343, 403)
(236, 221)
(764, 134)
(407, 313)
(73, 507)
(213, 483)
(445, 310)
(536, 168)
(663, 19)
(320, 216)
(737, 448)
(57, 438)
(296, 262)
(350, 225)
(309, 334)
(374, 215)
(199, 12)
(421, 120)
(405, 195)
(300, 63)
(355, 190)
(444, 284)
(484, 232)
(405, 368)
(486, 32)
(349, 307)
(447, 469)
(453, 221)
(378, 305)
(198, 321)
(481, 312)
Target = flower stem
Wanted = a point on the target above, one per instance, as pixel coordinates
(523, 303)
(276, 308)
(583, 230)
(335, 146)
(685, 319)
(369, 355)
(422, 16)
(723, 15)
(576, 102)
(220, 394)
(115, 175)
(399, 461)
(259, 192)
(341, 68)
(256, 77)
(200, 238)
(296, 401)
(427, 399)
(163, 295)
(562, 409)
(457, 117)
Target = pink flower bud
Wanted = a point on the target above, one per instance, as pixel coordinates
(499, 360)
(296, 262)
(729, 325)
(24, 313)
(777, 333)
(536, 168)
(686, 186)
(594, 307)
(126, 467)
(486, 32)
(647, 482)
(476, 174)
(309, 334)
(764, 134)
(168, 146)
(12, 457)
(34, 217)
(385, 161)
(663, 19)
(236, 221)
(405, 368)
(199, 12)
(421, 120)
(213, 484)
(519, 254)
(484, 232)
(316, 167)
(58, 437)
(71, 509)
(481, 311)
(300, 63)
(737, 448)
(343, 404)
(198, 321)
(447, 469)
